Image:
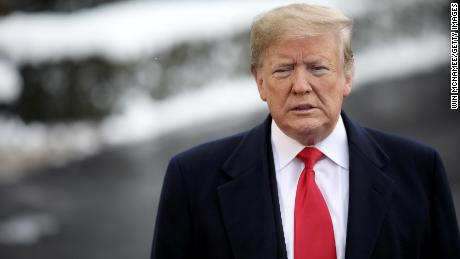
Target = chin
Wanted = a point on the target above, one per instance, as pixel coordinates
(308, 124)
(308, 131)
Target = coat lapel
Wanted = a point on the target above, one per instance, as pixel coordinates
(370, 192)
(246, 199)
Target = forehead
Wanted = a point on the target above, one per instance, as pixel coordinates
(324, 46)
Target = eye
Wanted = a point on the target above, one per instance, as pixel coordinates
(319, 69)
(282, 72)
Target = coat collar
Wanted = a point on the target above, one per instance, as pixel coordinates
(250, 206)
(249, 200)
(251, 152)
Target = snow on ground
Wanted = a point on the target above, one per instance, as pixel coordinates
(142, 118)
(27, 229)
(404, 56)
(10, 83)
(24, 147)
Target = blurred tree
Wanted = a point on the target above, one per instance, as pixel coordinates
(69, 90)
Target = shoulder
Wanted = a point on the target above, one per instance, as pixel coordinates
(401, 151)
(404, 150)
(216, 152)
(387, 145)
(394, 142)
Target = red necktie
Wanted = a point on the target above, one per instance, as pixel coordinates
(313, 231)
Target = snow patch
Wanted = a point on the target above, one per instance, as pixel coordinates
(27, 229)
(10, 82)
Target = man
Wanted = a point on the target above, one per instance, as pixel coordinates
(308, 182)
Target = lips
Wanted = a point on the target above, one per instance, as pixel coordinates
(303, 107)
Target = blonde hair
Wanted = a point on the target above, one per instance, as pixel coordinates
(297, 21)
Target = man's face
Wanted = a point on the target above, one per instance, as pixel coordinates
(304, 83)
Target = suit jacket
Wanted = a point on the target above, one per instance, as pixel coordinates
(219, 200)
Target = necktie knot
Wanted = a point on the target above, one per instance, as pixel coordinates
(310, 155)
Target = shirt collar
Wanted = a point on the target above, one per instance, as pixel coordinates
(334, 146)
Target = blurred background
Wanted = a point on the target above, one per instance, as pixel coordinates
(97, 95)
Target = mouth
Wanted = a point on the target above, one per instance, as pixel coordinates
(303, 107)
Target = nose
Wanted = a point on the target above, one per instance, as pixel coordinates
(300, 84)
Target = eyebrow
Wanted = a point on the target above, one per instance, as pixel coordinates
(287, 62)
(284, 64)
(317, 61)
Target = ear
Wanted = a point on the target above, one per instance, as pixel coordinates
(257, 73)
(348, 81)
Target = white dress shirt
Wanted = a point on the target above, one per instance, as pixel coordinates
(331, 177)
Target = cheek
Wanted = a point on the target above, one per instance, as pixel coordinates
(277, 93)
(330, 95)
(277, 105)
